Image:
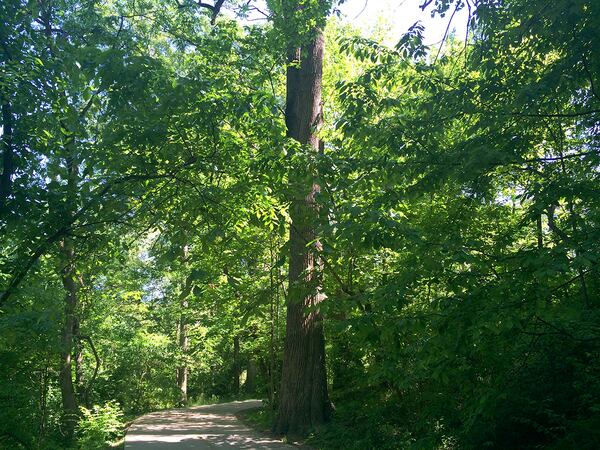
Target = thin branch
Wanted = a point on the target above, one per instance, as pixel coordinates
(553, 115)
(552, 225)
(214, 8)
(88, 387)
(590, 76)
(445, 34)
(362, 10)
(22, 270)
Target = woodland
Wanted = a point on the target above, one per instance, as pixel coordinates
(396, 246)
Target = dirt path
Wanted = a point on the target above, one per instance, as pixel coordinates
(201, 427)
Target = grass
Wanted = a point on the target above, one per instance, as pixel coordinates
(202, 399)
(339, 433)
(260, 419)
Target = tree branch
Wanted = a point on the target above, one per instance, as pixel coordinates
(96, 369)
(22, 270)
(214, 8)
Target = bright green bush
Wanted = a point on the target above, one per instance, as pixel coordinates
(100, 427)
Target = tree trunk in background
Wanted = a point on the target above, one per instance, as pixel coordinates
(304, 401)
(43, 402)
(69, 401)
(182, 370)
(78, 358)
(250, 384)
(236, 364)
(7, 156)
(539, 232)
(68, 276)
(182, 333)
(273, 298)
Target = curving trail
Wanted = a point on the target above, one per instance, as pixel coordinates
(201, 427)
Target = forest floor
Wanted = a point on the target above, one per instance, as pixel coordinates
(201, 427)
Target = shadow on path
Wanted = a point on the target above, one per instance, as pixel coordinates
(201, 427)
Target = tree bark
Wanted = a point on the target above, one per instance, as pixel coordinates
(182, 332)
(250, 383)
(43, 403)
(304, 401)
(273, 299)
(78, 359)
(236, 364)
(539, 232)
(182, 370)
(69, 401)
(7, 157)
(68, 276)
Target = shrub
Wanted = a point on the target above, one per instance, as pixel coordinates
(100, 427)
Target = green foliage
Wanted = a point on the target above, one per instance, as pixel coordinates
(259, 418)
(459, 218)
(100, 427)
(466, 310)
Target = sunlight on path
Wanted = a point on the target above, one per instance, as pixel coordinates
(202, 427)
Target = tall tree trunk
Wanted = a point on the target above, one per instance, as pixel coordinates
(304, 401)
(273, 298)
(68, 271)
(250, 383)
(69, 401)
(78, 359)
(182, 370)
(573, 220)
(68, 276)
(236, 364)
(182, 332)
(7, 156)
(539, 232)
(43, 402)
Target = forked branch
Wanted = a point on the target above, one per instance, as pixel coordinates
(214, 9)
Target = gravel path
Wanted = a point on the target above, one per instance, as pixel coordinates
(201, 427)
